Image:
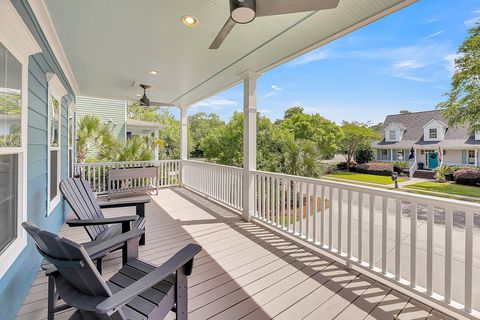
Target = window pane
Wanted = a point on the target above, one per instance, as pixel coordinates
(53, 174)
(54, 121)
(10, 99)
(8, 199)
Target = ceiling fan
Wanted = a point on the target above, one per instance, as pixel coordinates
(245, 11)
(145, 102)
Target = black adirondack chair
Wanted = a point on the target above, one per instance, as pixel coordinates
(138, 291)
(96, 250)
(80, 197)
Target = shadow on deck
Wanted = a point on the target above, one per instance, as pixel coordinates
(245, 271)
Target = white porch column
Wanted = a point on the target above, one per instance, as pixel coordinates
(249, 144)
(391, 155)
(476, 157)
(183, 141)
(156, 150)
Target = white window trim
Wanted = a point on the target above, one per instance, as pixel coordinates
(56, 89)
(430, 133)
(16, 37)
(71, 116)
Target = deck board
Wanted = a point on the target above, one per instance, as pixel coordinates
(244, 270)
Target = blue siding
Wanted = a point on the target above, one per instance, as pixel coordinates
(15, 283)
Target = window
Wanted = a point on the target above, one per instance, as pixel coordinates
(384, 154)
(433, 133)
(16, 45)
(11, 151)
(471, 156)
(392, 135)
(56, 92)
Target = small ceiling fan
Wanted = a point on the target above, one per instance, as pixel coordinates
(245, 11)
(144, 101)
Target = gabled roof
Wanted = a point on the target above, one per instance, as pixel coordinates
(443, 124)
(414, 123)
(401, 126)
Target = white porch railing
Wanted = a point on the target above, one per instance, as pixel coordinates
(419, 243)
(219, 182)
(96, 173)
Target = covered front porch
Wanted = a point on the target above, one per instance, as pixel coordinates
(246, 270)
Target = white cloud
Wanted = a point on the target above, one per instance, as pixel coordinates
(214, 103)
(275, 89)
(312, 56)
(264, 111)
(433, 35)
(450, 59)
(408, 64)
(471, 22)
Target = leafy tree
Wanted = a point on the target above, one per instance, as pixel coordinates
(364, 153)
(92, 135)
(200, 125)
(356, 134)
(169, 135)
(463, 103)
(324, 133)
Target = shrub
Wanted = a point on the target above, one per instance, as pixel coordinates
(467, 176)
(342, 166)
(441, 173)
(378, 168)
(327, 168)
(399, 166)
(364, 154)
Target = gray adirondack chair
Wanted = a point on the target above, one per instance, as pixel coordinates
(138, 291)
(80, 197)
(96, 250)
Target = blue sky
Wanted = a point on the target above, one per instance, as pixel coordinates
(404, 61)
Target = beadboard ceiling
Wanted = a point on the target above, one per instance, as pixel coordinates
(110, 44)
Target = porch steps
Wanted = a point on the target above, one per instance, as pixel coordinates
(424, 174)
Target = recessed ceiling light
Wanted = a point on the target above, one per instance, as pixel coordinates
(153, 72)
(139, 95)
(189, 21)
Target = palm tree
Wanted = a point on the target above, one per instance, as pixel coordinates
(92, 135)
(135, 149)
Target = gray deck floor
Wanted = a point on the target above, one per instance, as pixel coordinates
(246, 271)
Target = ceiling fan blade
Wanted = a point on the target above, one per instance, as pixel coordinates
(277, 7)
(223, 34)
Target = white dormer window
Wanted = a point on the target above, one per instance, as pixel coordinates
(477, 135)
(392, 134)
(433, 133)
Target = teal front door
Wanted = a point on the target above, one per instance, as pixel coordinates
(432, 160)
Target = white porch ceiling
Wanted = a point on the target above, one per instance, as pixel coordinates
(110, 44)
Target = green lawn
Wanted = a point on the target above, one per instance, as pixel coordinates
(362, 177)
(450, 188)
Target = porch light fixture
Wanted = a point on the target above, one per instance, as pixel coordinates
(189, 21)
(153, 72)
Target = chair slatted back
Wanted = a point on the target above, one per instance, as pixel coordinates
(80, 197)
(78, 282)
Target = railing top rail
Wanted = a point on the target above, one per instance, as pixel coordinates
(214, 165)
(83, 164)
(437, 202)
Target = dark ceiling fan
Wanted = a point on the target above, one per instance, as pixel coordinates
(245, 11)
(144, 101)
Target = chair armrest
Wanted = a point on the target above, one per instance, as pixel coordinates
(119, 299)
(122, 203)
(102, 248)
(95, 222)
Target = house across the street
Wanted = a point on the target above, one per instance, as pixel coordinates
(426, 141)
